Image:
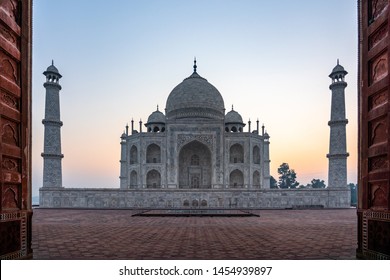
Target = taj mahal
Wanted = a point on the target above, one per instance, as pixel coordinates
(195, 155)
(195, 145)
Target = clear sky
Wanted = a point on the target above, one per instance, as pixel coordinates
(120, 59)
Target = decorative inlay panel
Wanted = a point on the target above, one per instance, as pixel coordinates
(378, 163)
(377, 100)
(8, 68)
(11, 9)
(378, 195)
(206, 139)
(153, 167)
(9, 100)
(378, 36)
(8, 35)
(375, 232)
(376, 8)
(378, 68)
(385, 216)
(11, 197)
(10, 164)
(378, 131)
(9, 133)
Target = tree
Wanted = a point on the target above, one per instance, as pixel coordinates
(273, 183)
(317, 183)
(287, 178)
(353, 189)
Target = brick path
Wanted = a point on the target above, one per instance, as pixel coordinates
(115, 234)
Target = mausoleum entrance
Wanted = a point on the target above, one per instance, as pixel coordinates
(195, 166)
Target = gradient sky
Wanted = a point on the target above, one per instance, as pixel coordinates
(120, 59)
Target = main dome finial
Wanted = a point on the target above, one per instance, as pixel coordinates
(195, 64)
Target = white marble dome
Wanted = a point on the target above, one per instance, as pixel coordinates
(195, 97)
(233, 117)
(156, 117)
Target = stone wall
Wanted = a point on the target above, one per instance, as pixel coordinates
(127, 198)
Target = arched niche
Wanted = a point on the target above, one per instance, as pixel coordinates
(195, 167)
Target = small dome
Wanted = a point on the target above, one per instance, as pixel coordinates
(338, 69)
(195, 97)
(156, 117)
(123, 135)
(52, 68)
(233, 117)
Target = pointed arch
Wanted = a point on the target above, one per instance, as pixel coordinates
(10, 200)
(236, 179)
(195, 166)
(153, 154)
(133, 179)
(153, 179)
(256, 155)
(8, 70)
(133, 155)
(379, 198)
(236, 153)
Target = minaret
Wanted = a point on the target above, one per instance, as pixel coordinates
(123, 162)
(266, 174)
(52, 169)
(337, 173)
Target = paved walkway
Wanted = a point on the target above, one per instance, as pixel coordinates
(115, 234)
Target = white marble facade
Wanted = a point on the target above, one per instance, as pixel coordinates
(194, 145)
(193, 156)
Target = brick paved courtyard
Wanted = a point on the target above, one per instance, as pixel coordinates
(115, 234)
